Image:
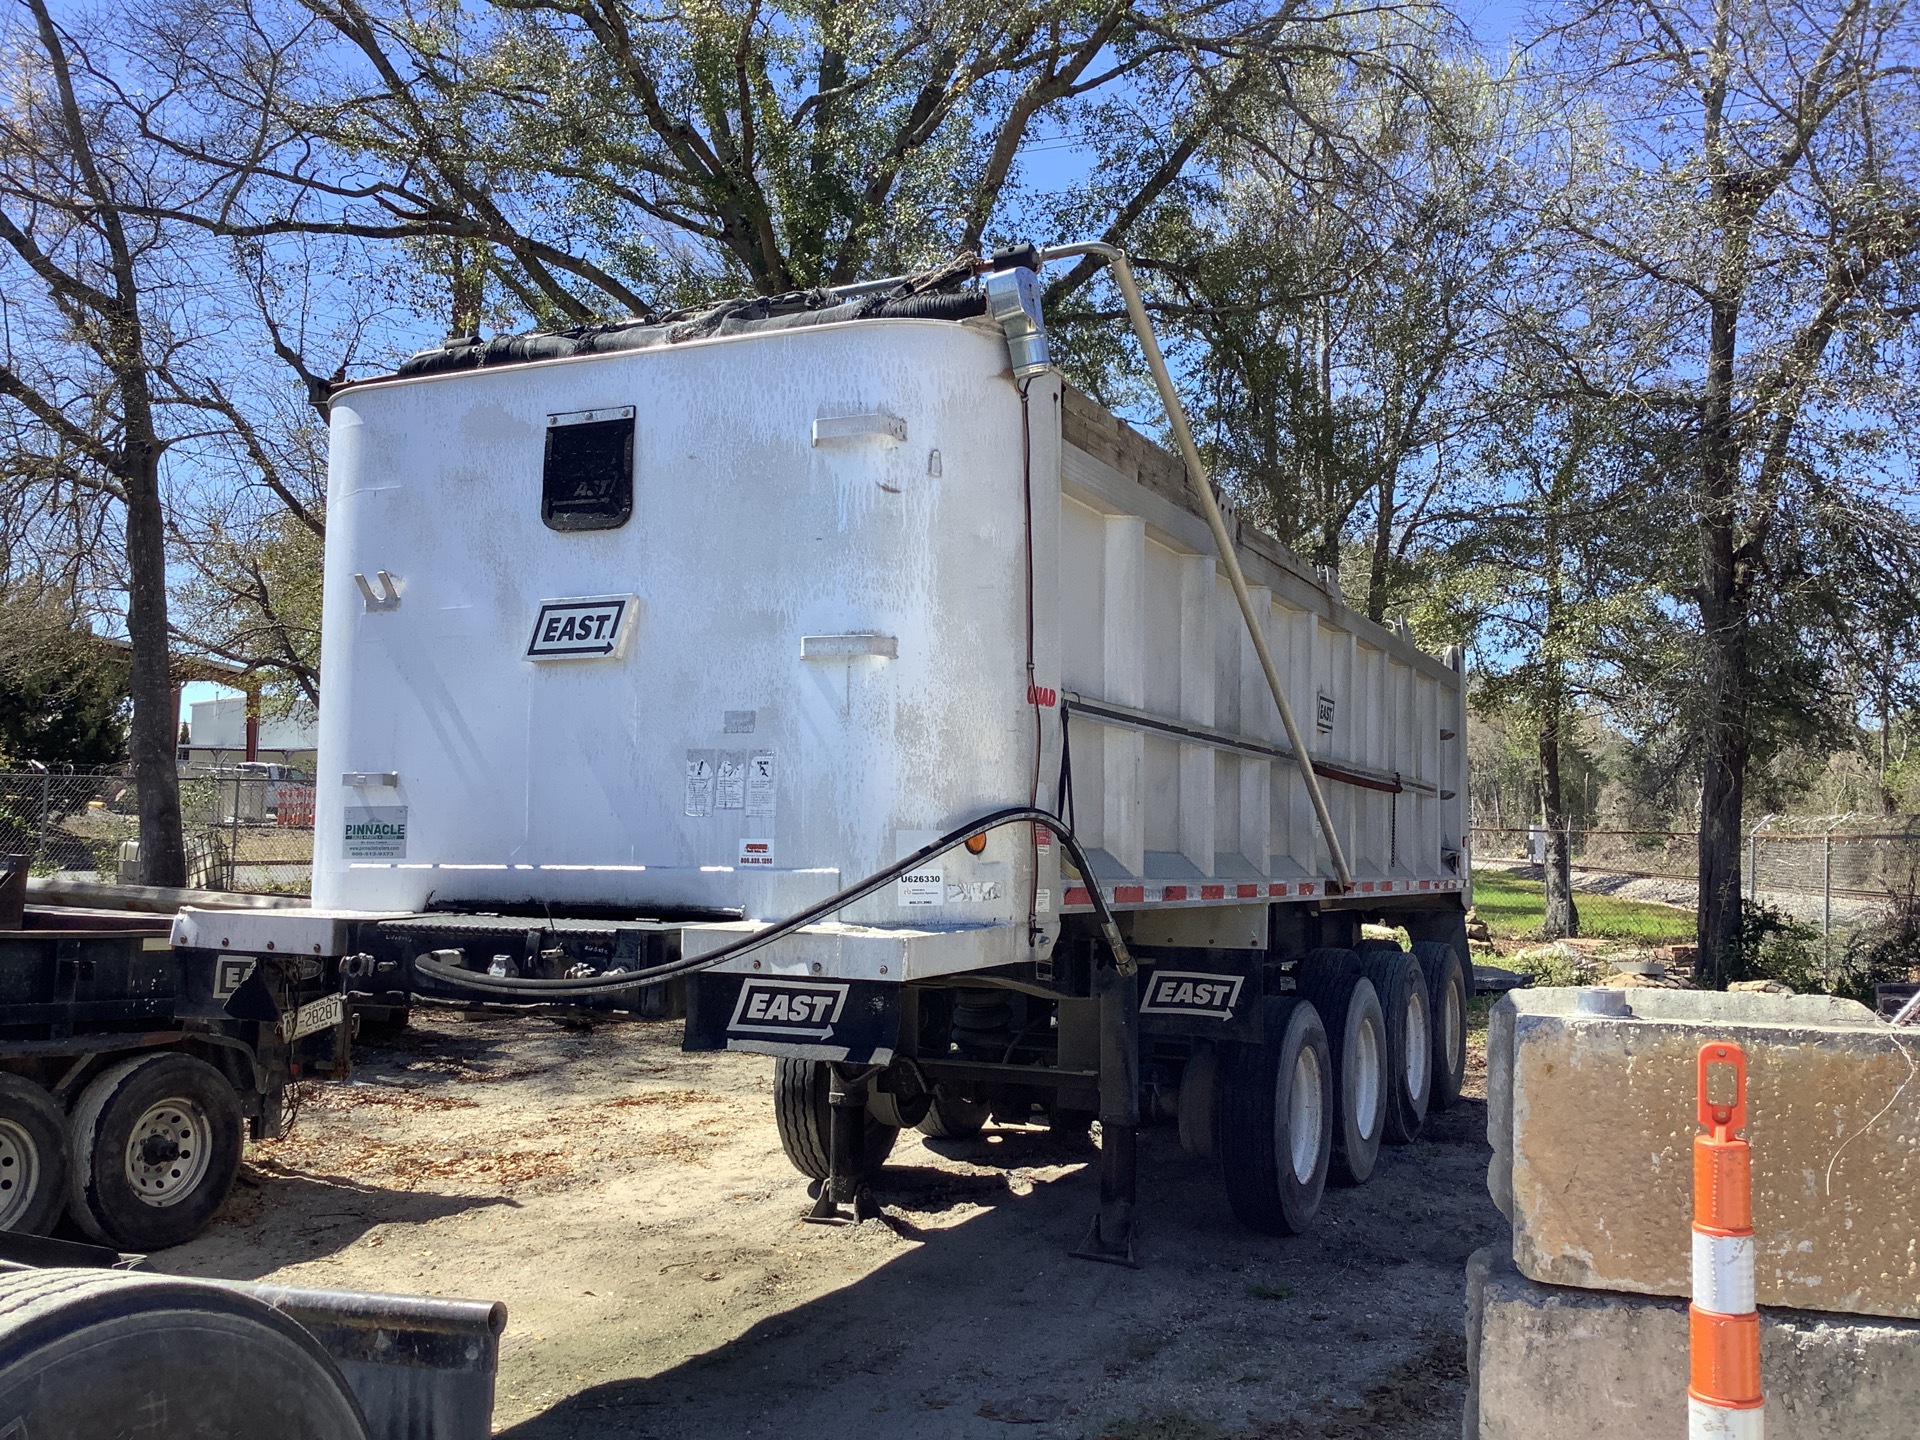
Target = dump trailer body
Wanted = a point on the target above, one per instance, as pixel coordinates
(811, 617)
(851, 587)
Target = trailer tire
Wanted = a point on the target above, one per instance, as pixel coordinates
(1276, 1121)
(952, 1117)
(1317, 965)
(89, 1352)
(1357, 1046)
(804, 1118)
(1447, 994)
(33, 1158)
(1402, 987)
(183, 1116)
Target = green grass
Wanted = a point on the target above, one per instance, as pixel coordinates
(1515, 909)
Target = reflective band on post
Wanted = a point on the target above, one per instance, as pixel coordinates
(1723, 1273)
(1718, 1422)
(1726, 1358)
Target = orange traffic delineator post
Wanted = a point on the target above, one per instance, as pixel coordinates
(1723, 1398)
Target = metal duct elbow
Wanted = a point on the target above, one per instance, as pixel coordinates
(1013, 299)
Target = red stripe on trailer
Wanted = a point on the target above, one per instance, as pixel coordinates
(1213, 892)
(1246, 892)
(1129, 894)
(1307, 889)
(1276, 889)
(1174, 892)
(1077, 895)
(1366, 887)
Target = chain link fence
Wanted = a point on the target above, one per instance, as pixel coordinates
(1635, 885)
(243, 830)
(1835, 880)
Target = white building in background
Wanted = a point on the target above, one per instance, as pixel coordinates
(217, 736)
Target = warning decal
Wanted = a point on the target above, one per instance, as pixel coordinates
(700, 782)
(760, 784)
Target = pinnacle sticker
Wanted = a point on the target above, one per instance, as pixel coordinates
(1181, 992)
(375, 832)
(588, 629)
(792, 1009)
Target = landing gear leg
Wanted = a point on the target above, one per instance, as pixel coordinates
(1110, 1239)
(844, 1196)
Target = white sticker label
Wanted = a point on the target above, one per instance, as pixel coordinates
(760, 783)
(589, 629)
(738, 722)
(375, 832)
(756, 852)
(699, 782)
(926, 886)
(972, 892)
(1043, 902)
(730, 780)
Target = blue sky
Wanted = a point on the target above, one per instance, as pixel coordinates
(1055, 167)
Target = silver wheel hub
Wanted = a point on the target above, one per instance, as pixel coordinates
(1419, 1046)
(19, 1173)
(168, 1152)
(1304, 1108)
(1456, 1031)
(1366, 1084)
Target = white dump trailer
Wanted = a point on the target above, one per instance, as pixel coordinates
(640, 639)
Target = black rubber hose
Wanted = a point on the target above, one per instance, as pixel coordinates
(629, 979)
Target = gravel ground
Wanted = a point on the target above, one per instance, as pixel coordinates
(631, 1206)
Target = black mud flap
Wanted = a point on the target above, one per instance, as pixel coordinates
(857, 1021)
(1177, 999)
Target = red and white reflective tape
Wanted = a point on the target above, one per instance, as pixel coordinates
(1723, 1398)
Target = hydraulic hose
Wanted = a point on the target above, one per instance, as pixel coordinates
(629, 979)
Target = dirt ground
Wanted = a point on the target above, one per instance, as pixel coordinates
(631, 1206)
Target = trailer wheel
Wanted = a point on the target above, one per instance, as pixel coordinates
(90, 1352)
(1276, 1121)
(1316, 965)
(953, 1117)
(33, 1157)
(805, 1120)
(1357, 1046)
(156, 1144)
(1402, 988)
(1447, 994)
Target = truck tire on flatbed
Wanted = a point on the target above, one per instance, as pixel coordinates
(1402, 987)
(1357, 1045)
(156, 1145)
(1276, 1121)
(87, 1353)
(33, 1158)
(1447, 994)
(804, 1119)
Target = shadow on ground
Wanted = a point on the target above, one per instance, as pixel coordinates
(988, 1328)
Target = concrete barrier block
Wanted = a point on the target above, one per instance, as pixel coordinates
(1545, 1360)
(1592, 1122)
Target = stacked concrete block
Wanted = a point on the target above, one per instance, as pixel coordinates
(1591, 1117)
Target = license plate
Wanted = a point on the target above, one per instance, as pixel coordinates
(321, 1014)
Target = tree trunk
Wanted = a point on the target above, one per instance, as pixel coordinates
(1563, 919)
(156, 776)
(1723, 621)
